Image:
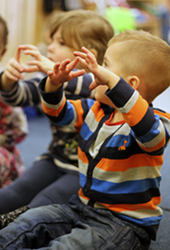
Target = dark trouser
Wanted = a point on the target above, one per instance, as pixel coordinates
(42, 184)
(72, 226)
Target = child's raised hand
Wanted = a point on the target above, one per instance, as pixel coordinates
(102, 75)
(89, 61)
(12, 72)
(62, 72)
(40, 62)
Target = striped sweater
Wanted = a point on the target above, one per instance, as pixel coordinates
(119, 163)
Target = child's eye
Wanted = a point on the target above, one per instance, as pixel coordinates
(105, 64)
(61, 42)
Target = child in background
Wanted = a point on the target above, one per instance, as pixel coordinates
(3, 37)
(13, 129)
(53, 178)
(121, 146)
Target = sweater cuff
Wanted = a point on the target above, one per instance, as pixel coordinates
(121, 93)
(50, 97)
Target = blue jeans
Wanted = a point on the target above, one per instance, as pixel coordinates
(72, 226)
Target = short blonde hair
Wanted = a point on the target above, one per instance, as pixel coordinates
(146, 56)
(83, 28)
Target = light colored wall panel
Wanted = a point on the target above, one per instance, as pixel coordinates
(25, 22)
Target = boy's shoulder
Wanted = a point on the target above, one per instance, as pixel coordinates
(161, 113)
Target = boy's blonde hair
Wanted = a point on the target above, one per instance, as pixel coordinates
(83, 28)
(146, 56)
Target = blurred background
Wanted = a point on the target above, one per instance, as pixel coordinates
(28, 19)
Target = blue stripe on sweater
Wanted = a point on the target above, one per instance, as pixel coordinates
(126, 187)
(149, 221)
(69, 115)
(150, 136)
(118, 140)
(85, 132)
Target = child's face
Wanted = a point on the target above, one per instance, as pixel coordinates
(112, 59)
(57, 50)
(111, 63)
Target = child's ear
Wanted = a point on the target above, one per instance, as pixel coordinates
(94, 51)
(133, 81)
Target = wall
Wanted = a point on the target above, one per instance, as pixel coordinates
(25, 19)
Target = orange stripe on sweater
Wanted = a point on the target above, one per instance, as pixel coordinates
(98, 112)
(137, 112)
(51, 111)
(157, 147)
(152, 205)
(80, 193)
(157, 112)
(134, 161)
(80, 112)
(82, 156)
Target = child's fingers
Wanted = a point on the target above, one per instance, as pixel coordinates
(27, 47)
(93, 85)
(31, 69)
(64, 64)
(83, 62)
(24, 47)
(80, 54)
(84, 49)
(18, 55)
(56, 67)
(85, 58)
(14, 64)
(50, 73)
(11, 77)
(13, 74)
(84, 52)
(33, 53)
(72, 64)
(35, 63)
(89, 55)
(78, 73)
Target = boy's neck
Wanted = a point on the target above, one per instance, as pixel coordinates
(117, 117)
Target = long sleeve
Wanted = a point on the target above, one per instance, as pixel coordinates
(64, 112)
(149, 129)
(24, 93)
